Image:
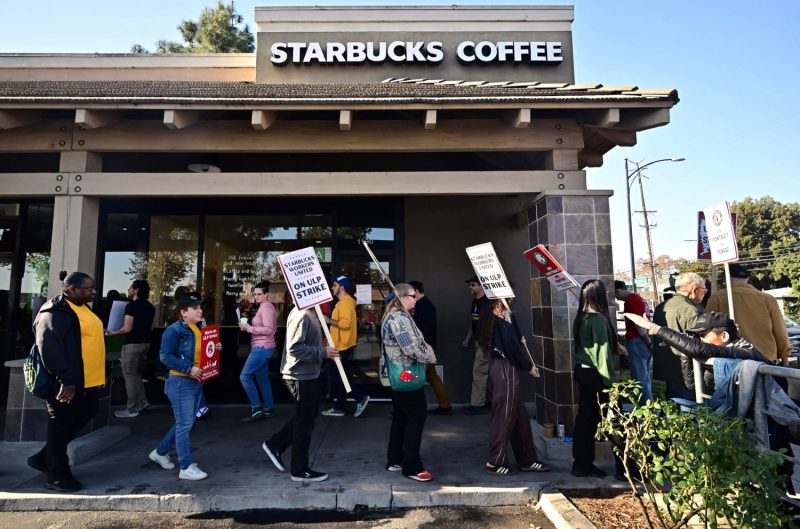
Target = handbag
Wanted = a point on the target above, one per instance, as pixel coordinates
(402, 378)
(38, 380)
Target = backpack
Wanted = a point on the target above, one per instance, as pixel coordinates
(38, 380)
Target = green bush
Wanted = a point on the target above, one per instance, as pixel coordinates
(705, 464)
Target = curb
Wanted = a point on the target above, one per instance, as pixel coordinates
(562, 512)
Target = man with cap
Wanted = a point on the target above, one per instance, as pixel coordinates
(480, 310)
(344, 323)
(425, 317)
(758, 315)
(639, 345)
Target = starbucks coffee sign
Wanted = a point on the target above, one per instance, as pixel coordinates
(410, 52)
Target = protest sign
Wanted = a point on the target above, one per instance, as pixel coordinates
(116, 317)
(308, 287)
(489, 271)
(209, 356)
(721, 233)
(550, 268)
(703, 248)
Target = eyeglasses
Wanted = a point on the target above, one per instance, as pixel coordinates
(472, 285)
(414, 296)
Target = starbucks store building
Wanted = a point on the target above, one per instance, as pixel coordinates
(422, 130)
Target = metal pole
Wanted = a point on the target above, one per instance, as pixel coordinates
(649, 239)
(630, 225)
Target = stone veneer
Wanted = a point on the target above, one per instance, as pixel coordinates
(575, 228)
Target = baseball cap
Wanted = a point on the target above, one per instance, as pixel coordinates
(739, 271)
(473, 279)
(710, 320)
(343, 282)
(188, 301)
(417, 286)
(620, 285)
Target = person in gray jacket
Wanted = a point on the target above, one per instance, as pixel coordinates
(300, 366)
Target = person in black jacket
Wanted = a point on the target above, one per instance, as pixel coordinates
(69, 337)
(510, 421)
(425, 318)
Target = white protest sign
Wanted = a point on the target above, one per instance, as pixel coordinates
(721, 233)
(116, 317)
(363, 294)
(305, 278)
(308, 287)
(489, 271)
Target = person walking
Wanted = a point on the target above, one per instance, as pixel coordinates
(300, 365)
(510, 420)
(180, 352)
(405, 346)
(137, 328)
(344, 331)
(595, 345)
(640, 354)
(479, 310)
(255, 373)
(424, 315)
(69, 338)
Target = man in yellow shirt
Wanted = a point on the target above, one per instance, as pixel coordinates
(344, 331)
(758, 316)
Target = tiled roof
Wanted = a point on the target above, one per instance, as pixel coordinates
(388, 91)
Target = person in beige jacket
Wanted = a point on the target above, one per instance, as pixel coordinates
(758, 316)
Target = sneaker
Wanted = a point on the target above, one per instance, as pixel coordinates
(268, 412)
(476, 410)
(202, 412)
(441, 411)
(274, 456)
(333, 412)
(394, 468)
(163, 461)
(126, 414)
(422, 476)
(255, 414)
(69, 484)
(310, 475)
(536, 466)
(143, 406)
(498, 470)
(37, 462)
(192, 473)
(361, 406)
(592, 471)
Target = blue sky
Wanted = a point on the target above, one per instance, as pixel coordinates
(734, 64)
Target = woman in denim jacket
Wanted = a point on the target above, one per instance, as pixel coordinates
(180, 352)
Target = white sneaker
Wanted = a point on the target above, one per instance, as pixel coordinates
(192, 473)
(361, 406)
(163, 461)
(126, 414)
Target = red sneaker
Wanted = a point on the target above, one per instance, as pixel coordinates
(422, 476)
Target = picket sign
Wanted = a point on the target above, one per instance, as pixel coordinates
(307, 284)
(722, 242)
(209, 356)
(551, 269)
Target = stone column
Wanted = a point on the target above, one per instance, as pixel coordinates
(575, 228)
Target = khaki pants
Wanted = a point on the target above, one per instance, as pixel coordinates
(437, 386)
(132, 359)
(480, 374)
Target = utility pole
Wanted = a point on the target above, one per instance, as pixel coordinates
(649, 238)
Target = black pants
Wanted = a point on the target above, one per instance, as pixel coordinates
(297, 430)
(66, 420)
(590, 388)
(405, 436)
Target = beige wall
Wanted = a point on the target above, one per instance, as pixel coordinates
(437, 231)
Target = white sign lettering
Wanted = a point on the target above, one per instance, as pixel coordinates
(489, 271)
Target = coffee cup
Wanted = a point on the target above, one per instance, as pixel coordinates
(243, 321)
(549, 430)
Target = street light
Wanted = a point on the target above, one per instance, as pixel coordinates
(629, 177)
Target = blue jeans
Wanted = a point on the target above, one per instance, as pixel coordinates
(256, 372)
(184, 394)
(336, 381)
(641, 361)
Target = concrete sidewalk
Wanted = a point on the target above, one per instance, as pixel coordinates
(351, 450)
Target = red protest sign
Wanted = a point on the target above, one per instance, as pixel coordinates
(550, 268)
(209, 356)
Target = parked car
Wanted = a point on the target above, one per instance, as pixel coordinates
(793, 328)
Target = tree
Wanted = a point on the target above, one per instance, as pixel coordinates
(219, 30)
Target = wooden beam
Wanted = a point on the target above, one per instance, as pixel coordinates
(328, 184)
(623, 138)
(430, 119)
(604, 119)
(643, 120)
(263, 119)
(521, 118)
(45, 136)
(180, 119)
(95, 119)
(324, 136)
(345, 119)
(562, 160)
(590, 158)
(12, 119)
(33, 184)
